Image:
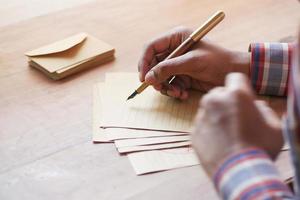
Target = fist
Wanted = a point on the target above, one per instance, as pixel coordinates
(229, 120)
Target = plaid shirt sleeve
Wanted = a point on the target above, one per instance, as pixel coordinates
(270, 67)
(250, 174)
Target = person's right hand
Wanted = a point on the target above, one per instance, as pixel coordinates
(230, 120)
(202, 68)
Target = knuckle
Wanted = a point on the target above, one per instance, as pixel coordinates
(162, 72)
(203, 57)
(238, 94)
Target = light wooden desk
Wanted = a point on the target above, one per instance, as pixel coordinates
(46, 150)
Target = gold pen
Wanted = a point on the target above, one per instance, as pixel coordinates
(187, 44)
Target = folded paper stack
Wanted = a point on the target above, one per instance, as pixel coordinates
(71, 55)
(152, 129)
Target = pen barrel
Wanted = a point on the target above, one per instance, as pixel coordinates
(142, 88)
(207, 26)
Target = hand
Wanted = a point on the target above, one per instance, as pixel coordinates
(229, 120)
(202, 68)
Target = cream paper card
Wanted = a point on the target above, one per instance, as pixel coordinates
(149, 110)
(153, 147)
(160, 160)
(153, 140)
(99, 134)
(110, 134)
(121, 77)
(123, 133)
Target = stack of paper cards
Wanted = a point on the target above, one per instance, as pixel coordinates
(70, 55)
(151, 128)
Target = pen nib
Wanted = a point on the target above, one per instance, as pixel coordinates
(132, 95)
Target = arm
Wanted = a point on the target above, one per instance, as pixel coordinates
(206, 66)
(269, 72)
(250, 174)
(231, 124)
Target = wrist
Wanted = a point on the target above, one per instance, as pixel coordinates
(240, 62)
(218, 159)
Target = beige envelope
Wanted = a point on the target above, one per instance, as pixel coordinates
(70, 55)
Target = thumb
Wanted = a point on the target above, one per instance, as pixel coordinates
(238, 81)
(167, 68)
(268, 114)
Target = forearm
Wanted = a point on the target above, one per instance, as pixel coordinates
(250, 174)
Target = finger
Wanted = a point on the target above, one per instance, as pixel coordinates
(160, 46)
(180, 83)
(160, 57)
(268, 114)
(144, 66)
(184, 94)
(200, 115)
(262, 103)
(197, 124)
(209, 100)
(157, 87)
(187, 81)
(178, 93)
(163, 90)
(174, 91)
(181, 65)
(202, 86)
(238, 81)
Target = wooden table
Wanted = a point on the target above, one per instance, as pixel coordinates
(46, 151)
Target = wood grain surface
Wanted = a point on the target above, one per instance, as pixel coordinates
(46, 151)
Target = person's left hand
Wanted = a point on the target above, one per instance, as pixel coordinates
(229, 120)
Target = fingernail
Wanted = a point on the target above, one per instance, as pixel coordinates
(141, 77)
(150, 77)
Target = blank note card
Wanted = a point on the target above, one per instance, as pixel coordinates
(149, 110)
(152, 140)
(153, 161)
(99, 135)
(123, 133)
(154, 147)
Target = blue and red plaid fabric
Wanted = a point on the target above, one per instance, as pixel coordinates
(292, 119)
(270, 66)
(251, 174)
